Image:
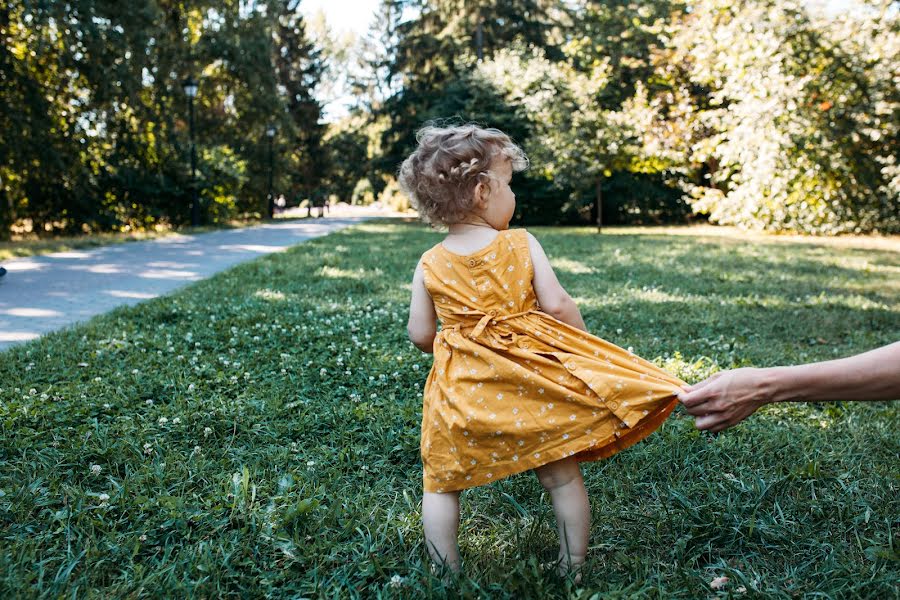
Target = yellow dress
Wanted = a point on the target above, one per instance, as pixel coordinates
(513, 388)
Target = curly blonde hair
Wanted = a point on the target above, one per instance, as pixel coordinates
(441, 175)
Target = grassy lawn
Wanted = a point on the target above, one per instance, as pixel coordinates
(256, 435)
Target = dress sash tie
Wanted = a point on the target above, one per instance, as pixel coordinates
(485, 320)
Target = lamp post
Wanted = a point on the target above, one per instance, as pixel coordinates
(270, 133)
(190, 90)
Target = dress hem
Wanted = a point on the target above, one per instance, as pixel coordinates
(590, 453)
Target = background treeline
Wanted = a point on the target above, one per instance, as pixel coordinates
(94, 118)
(766, 114)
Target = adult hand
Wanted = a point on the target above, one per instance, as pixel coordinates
(726, 398)
(729, 397)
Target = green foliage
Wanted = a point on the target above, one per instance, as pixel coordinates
(224, 175)
(766, 114)
(354, 145)
(94, 123)
(801, 126)
(769, 115)
(257, 434)
(558, 95)
(392, 197)
(432, 53)
(363, 193)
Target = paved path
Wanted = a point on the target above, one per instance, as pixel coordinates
(45, 293)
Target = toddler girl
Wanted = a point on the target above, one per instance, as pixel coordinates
(517, 383)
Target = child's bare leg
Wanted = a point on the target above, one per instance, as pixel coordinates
(563, 480)
(440, 520)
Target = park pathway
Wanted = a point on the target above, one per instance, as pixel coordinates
(49, 292)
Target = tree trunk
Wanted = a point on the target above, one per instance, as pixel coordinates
(6, 214)
(713, 165)
(599, 199)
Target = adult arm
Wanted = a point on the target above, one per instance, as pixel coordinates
(554, 300)
(422, 325)
(729, 397)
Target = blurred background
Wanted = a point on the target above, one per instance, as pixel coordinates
(767, 114)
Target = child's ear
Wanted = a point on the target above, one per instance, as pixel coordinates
(480, 194)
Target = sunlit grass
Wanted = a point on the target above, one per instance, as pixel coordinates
(257, 434)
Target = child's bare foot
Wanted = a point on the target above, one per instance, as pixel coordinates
(446, 572)
(574, 570)
(564, 568)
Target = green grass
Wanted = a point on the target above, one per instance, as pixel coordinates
(257, 434)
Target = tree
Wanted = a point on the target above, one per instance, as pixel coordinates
(440, 46)
(801, 128)
(94, 128)
(299, 68)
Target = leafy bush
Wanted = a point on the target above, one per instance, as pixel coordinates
(392, 197)
(363, 193)
(223, 176)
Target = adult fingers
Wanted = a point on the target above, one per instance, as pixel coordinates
(696, 398)
(704, 383)
(697, 409)
(707, 421)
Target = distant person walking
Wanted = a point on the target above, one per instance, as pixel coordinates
(2, 271)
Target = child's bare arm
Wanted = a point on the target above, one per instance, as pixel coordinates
(554, 300)
(422, 326)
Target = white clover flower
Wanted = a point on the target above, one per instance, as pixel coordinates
(396, 581)
(415, 367)
(323, 371)
(310, 463)
(163, 420)
(95, 469)
(103, 497)
(207, 431)
(191, 387)
(148, 448)
(134, 371)
(149, 402)
(143, 537)
(176, 420)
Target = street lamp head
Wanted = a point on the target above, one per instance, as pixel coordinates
(190, 87)
(270, 131)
